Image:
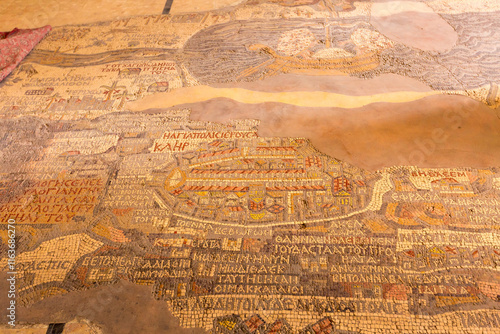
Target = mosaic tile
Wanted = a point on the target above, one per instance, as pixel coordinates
(233, 230)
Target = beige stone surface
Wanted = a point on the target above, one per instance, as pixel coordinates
(37, 13)
(193, 6)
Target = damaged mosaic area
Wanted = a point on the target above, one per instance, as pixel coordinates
(233, 231)
(219, 221)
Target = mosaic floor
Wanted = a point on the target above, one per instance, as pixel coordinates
(312, 166)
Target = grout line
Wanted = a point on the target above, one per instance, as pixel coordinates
(167, 7)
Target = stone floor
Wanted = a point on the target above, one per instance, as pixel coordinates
(259, 166)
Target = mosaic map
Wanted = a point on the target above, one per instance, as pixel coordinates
(183, 154)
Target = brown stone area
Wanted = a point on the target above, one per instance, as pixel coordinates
(413, 23)
(433, 132)
(137, 311)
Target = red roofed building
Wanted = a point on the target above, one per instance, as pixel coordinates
(341, 183)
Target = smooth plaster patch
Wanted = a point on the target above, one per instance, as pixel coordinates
(413, 24)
